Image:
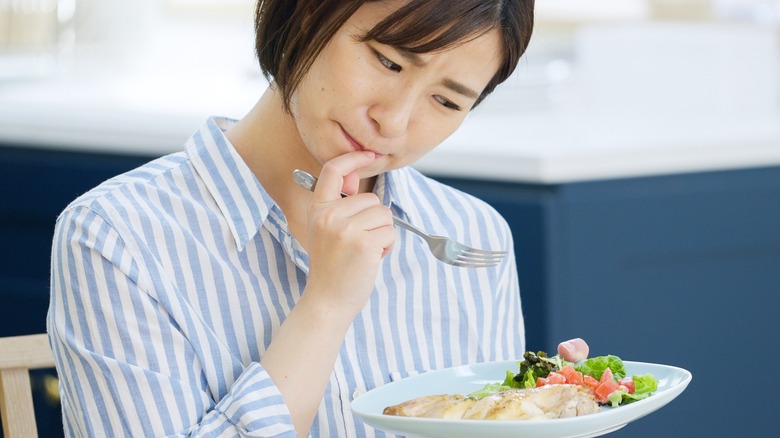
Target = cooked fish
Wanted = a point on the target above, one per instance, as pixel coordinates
(451, 406)
(547, 402)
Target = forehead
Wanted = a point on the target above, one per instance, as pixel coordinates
(426, 26)
(465, 66)
(376, 21)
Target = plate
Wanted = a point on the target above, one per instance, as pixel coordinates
(466, 379)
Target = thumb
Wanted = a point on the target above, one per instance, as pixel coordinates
(337, 173)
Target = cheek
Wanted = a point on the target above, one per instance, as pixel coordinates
(354, 78)
(429, 132)
(422, 139)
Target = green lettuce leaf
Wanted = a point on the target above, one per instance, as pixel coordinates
(644, 386)
(595, 366)
(617, 397)
(535, 365)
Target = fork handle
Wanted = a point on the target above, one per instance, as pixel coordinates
(308, 181)
(403, 224)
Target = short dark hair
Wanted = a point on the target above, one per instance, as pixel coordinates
(289, 34)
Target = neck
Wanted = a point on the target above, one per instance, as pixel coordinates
(267, 139)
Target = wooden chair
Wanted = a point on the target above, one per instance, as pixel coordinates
(19, 355)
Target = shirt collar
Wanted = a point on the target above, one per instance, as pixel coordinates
(240, 197)
(393, 187)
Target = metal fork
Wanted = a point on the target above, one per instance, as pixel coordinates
(443, 248)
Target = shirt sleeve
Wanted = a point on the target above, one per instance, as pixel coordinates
(131, 365)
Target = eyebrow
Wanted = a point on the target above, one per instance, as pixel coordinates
(453, 85)
(460, 88)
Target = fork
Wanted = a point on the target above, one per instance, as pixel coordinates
(443, 248)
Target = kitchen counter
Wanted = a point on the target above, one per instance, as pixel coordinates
(148, 104)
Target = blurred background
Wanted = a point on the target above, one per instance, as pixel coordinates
(635, 153)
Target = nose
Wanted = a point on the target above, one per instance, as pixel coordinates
(392, 112)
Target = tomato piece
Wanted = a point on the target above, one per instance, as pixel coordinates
(604, 390)
(590, 382)
(555, 378)
(606, 376)
(628, 382)
(573, 377)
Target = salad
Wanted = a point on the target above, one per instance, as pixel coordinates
(604, 377)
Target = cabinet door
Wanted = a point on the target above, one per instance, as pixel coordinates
(35, 186)
(681, 270)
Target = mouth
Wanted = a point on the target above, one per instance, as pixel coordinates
(356, 145)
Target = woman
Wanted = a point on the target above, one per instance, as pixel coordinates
(206, 294)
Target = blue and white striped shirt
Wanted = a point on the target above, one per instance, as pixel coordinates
(169, 281)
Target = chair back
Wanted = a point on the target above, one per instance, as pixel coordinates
(19, 355)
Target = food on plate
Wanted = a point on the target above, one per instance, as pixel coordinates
(547, 402)
(450, 406)
(604, 377)
(543, 388)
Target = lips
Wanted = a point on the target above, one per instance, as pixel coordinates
(356, 145)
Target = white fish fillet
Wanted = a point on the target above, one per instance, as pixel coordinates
(546, 402)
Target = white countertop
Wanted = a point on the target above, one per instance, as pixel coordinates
(149, 106)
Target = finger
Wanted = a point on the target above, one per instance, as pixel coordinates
(331, 181)
(384, 237)
(574, 350)
(375, 225)
(368, 217)
(389, 235)
(351, 183)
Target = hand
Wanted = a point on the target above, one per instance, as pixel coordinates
(574, 350)
(347, 237)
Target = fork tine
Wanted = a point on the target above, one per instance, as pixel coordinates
(463, 248)
(470, 253)
(472, 264)
(467, 259)
(483, 251)
(487, 255)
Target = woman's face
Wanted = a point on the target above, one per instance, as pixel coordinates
(368, 96)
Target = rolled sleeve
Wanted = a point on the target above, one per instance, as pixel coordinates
(255, 406)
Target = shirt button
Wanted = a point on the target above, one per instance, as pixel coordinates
(357, 393)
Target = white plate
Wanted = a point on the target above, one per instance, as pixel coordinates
(672, 381)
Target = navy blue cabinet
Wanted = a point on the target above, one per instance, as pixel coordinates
(35, 186)
(679, 269)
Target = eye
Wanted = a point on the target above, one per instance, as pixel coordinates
(447, 103)
(386, 62)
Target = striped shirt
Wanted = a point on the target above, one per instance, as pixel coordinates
(169, 281)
